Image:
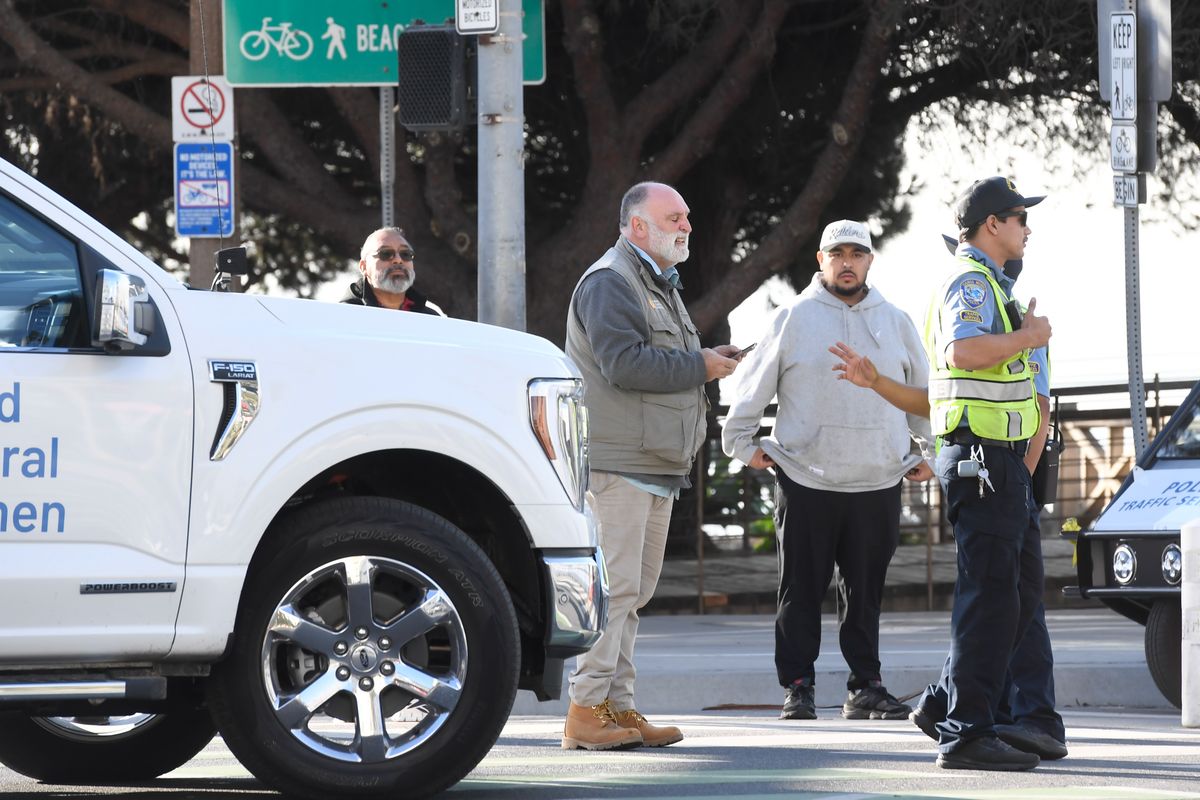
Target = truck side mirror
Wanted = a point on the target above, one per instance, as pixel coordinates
(124, 312)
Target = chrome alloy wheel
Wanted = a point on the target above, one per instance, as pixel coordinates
(85, 728)
(364, 659)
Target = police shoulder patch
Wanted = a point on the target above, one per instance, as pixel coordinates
(970, 316)
(973, 292)
(1035, 367)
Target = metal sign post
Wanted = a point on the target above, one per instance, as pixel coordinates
(387, 156)
(1135, 75)
(1123, 155)
(501, 164)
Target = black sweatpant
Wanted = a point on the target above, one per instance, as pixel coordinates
(816, 528)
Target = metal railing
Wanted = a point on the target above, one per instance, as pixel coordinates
(728, 511)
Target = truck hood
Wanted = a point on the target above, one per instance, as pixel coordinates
(353, 326)
(376, 333)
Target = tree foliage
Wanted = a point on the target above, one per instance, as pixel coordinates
(771, 116)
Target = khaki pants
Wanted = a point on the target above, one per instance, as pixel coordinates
(633, 533)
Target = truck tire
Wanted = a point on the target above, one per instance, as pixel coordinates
(376, 653)
(1164, 653)
(94, 750)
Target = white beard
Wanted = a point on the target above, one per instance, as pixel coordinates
(662, 245)
(396, 280)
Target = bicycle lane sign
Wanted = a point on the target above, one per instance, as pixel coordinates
(343, 43)
(204, 189)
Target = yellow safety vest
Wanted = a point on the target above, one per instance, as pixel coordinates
(1002, 399)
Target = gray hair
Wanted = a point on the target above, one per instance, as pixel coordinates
(631, 203)
(362, 251)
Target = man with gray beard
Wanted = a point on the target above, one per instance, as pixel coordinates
(388, 272)
(644, 372)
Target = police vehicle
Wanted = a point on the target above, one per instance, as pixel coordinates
(340, 536)
(1130, 558)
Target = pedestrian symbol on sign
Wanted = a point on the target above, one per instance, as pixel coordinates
(336, 34)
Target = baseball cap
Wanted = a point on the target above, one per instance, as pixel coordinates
(989, 196)
(846, 231)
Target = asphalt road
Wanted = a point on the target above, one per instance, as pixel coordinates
(691, 667)
(1115, 753)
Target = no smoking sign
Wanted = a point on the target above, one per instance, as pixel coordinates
(201, 109)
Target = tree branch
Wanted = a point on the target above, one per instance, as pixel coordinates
(268, 194)
(163, 65)
(36, 53)
(799, 222)
(451, 223)
(737, 80)
(288, 153)
(360, 109)
(583, 41)
(1185, 117)
(278, 197)
(161, 18)
(690, 74)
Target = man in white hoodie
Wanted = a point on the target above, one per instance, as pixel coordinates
(839, 456)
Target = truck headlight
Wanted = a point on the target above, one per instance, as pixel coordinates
(1124, 564)
(1172, 564)
(559, 421)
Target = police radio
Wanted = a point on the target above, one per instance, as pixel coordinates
(1045, 476)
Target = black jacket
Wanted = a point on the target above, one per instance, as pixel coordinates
(360, 293)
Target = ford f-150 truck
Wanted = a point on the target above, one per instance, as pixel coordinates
(340, 536)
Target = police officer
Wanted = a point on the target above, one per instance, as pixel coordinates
(984, 409)
(1026, 717)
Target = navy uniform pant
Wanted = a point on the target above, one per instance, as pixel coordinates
(1028, 696)
(815, 529)
(998, 589)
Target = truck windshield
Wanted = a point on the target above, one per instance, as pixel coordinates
(1185, 440)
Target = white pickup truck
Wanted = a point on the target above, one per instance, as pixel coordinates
(340, 536)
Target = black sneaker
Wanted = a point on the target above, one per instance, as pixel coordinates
(799, 702)
(988, 753)
(1032, 740)
(922, 719)
(873, 702)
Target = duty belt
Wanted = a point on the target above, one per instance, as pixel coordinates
(966, 439)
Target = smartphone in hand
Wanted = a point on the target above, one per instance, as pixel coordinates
(742, 353)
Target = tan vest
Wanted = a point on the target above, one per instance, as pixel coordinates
(656, 433)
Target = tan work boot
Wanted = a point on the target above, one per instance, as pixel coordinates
(594, 728)
(652, 735)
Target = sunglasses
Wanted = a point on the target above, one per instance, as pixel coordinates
(1022, 216)
(388, 253)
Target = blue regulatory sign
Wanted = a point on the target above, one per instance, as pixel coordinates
(204, 189)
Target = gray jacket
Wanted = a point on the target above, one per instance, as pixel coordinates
(643, 373)
(830, 434)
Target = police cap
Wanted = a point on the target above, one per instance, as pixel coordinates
(989, 196)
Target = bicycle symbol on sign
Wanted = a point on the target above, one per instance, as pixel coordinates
(1123, 143)
(293, 43)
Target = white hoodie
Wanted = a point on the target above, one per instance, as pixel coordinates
(830, 434)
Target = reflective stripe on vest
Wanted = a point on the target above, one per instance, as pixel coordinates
(1000, 401)
(977, 389)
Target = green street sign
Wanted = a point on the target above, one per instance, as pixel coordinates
(344, 43)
